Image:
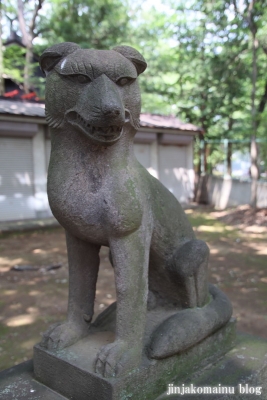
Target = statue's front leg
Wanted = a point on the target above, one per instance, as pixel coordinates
(83, 258)
(130, 260)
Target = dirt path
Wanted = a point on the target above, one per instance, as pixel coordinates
(30, 301)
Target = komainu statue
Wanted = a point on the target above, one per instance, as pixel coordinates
(103, 196)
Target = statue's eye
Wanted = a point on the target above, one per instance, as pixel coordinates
(124, 81)
(80, 78)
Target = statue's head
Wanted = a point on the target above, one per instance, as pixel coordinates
(93, 91)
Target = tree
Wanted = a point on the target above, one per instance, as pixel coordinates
(254, 15)
(203, 57)
(27, 13)
(90, 23)
(99, 24)
(195, 73)
(199, 74)
(13, 63)
(200, 56)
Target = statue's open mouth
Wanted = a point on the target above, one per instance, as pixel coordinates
(109, 134)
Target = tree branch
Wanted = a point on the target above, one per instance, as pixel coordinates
(37, 8)
(37, 33)
(252, 25)
(22, 24)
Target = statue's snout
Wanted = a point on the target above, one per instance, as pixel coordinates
(100, 112)
(112, 107)
(101, 103)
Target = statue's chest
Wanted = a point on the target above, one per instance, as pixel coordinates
(92, 203)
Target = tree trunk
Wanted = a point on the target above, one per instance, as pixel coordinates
(201, 190)
(206, 156)
(254, 171)
(200, 166)
(254, 114)
(28, 35)
(27, 69)
(229, 159)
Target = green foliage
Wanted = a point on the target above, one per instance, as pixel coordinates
(90, 23)
(13, 59)
(193, 53)
(199, 56)
(200, 65)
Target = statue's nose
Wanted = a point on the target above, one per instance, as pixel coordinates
(111, 111)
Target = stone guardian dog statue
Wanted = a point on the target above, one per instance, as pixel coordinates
(103, 196)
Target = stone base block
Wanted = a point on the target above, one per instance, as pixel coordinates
(70, 371)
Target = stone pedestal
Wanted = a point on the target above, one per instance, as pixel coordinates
(245, 364)
(242, 372)
(70, 371)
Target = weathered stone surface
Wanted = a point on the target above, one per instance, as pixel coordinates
(246, 363)
(19, 383)
(70, 371)
(101, 195)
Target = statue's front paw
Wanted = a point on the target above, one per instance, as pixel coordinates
(62, 335)
(117, 358)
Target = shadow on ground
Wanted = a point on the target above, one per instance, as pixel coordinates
(32, 300)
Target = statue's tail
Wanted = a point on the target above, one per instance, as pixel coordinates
(190, 326)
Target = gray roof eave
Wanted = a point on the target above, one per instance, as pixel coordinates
(35, 112)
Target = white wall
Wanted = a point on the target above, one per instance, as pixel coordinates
(227, 192)
(16, 179)
(171, 164)
(147, 155)
(25, 149)
(176, 171)
(23, 172)
(41, 205)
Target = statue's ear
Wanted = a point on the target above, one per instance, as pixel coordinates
(54, 54)
(134, 56)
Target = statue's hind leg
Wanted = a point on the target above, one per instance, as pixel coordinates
(198, 318)
(189, 269)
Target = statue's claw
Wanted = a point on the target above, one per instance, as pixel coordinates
(116, 359)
